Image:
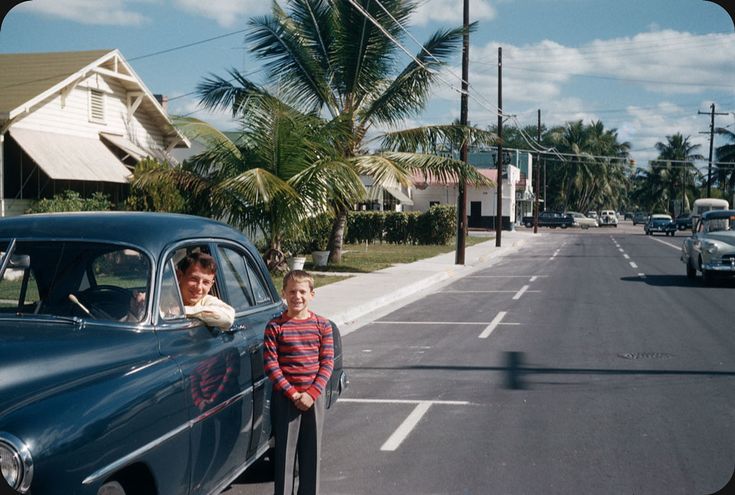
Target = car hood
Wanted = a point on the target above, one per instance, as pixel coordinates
(727, 237)
(43, 357)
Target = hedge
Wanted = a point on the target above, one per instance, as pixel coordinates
(436, 226)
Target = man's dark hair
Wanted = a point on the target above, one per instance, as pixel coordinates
(197, 258)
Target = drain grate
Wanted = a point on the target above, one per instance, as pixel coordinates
(646, 355)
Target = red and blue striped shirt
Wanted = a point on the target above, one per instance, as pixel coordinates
(299, 354)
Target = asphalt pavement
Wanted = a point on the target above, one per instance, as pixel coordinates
(360, 299)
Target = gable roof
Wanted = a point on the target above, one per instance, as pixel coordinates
(27, 79)
(24, 76)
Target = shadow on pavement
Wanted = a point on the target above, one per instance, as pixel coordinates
(260, 472)
(679, 281)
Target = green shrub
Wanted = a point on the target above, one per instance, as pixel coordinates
(71, 201)
(436, 226)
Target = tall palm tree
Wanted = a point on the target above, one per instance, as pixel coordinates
(725, 168)
(674, 165)
(327, 57)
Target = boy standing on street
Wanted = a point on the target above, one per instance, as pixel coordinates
(299, 358)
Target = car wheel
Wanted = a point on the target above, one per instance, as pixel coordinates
(528, 225)
(691, 271)
(111, 488)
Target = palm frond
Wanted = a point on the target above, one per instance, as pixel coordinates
(437, 138)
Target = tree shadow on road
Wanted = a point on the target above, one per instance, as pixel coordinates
(677, 281)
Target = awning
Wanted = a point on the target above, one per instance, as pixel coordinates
(64, 157)
(398, 194)
(128, 147)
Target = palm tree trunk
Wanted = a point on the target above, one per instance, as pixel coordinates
(337, 237)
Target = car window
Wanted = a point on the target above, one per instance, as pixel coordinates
(74, 279)
(170, 306)
(245, 288)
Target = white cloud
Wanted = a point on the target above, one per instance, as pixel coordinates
(115, 12)
(226, 13)
(451, 12)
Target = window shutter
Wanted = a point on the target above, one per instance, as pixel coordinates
(96, 105)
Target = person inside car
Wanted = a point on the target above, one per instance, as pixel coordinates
(195, 274)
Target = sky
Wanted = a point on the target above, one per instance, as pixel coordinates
(644, 67)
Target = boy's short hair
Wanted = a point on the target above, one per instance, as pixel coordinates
(204, 260)
(298, 276)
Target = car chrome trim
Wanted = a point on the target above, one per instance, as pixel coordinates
(24, 453)
(116, 465)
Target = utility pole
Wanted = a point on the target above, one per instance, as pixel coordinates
(499, 209)
(461, 181)
(711, 142)
(537, 176)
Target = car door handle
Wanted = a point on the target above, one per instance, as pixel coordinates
(238, 328)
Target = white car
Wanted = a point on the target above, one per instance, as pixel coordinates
(580, 220)
(711, 249)
(608, 218)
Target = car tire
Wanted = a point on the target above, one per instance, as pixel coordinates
(691, 271)
(111, 488)
(528, 225)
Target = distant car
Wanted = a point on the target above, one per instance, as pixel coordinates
(628, 215)
(592, 214)
(684, 222)
(640, 217)
(608, 218)
(582, 221)
(711, 249)
(661, 224)
(99, 398)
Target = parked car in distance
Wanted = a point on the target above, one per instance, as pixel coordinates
(608, 218)
(660, 223)
(582, 221)
(640, 217)
(593, 214)
(99, 398)
(628, 215)
(684, 222)
(711, 248)
(550, 219)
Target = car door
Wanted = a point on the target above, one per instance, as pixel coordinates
(217, 375)
(249, 292)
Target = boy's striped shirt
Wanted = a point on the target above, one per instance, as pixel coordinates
(299, 354)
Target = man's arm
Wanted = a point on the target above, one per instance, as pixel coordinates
(213, 312)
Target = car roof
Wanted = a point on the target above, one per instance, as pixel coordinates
(708, 215)
(151, 231)
(660, 215)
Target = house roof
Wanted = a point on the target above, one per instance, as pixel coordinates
(24, 76)
(28, 79)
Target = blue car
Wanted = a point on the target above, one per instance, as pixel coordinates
(102, 396)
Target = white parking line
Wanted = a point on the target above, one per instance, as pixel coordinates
(398, 436)
(520, 293)
(666, 243)
(626, 256)
(493, 324)
(633, 265)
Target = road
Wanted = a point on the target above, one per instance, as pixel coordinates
(584, 363)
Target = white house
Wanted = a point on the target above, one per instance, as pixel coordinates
(75, 120)
(482, 201)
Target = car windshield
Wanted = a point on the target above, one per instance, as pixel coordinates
(718, 225)
(73, 279)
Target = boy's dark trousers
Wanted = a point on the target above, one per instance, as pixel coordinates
(298, 439)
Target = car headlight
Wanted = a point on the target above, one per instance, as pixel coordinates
(16, 463)
(710, 247)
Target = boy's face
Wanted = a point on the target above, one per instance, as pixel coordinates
(194, 284)
(298, 295)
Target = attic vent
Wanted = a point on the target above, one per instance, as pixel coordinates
(96, 106)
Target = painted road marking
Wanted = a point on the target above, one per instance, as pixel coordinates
(520, 293)
(666, 243)
(405, 429)
(633, 265)
(498, 320)
(626, 256)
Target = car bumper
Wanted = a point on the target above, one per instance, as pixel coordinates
(726, 265)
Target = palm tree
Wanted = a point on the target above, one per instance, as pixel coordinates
(592, 170)
(725, 168)
(272, 178)
(328, 58)
(674, 165)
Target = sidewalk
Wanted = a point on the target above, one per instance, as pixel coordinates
(358, 300)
